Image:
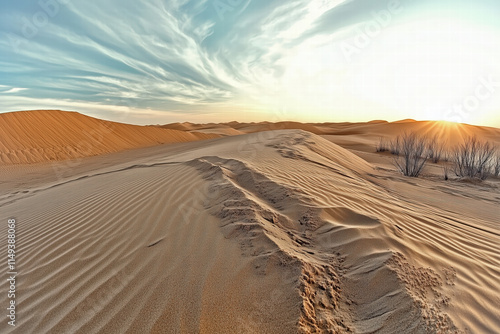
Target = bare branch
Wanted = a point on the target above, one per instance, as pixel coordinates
(413, 156)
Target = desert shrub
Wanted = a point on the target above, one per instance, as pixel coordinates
(395, 145)
(446, 172)
(412, 154)
(382, 145)
(446, 156)
(495, 168)
(474, 159)
(435, 150)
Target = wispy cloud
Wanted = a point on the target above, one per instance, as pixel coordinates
(181, 57)
(13, 90)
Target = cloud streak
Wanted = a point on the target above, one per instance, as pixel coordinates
(182, 57)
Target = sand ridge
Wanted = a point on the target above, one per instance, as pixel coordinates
(280, 231)
(448, 134)
(51, 135)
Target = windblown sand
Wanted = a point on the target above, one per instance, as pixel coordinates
(43, 135)
(280, 231)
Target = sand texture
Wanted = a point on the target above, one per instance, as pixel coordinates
(302, 228)
(43, 135)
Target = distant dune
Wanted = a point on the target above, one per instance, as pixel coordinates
(219, 129)
(265, 126)
(179, 126)
(49, 135)
(407, 120)
(450, 134)
(53, 135)
(377, 121)
(282, 231)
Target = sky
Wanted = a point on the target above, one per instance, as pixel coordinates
(162, 61)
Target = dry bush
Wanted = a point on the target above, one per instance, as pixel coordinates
(446, 172)
(446, 156)
(435, 149)
(413, 155)
(395, 146)
(382, 145)
(495, 168)
(474, 159)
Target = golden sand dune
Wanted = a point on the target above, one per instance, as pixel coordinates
(408, 120)
(215, 128)
(47, 135)
(448, 133)
(365, 136)
(266, 126)
(272, 232)
(186, 126)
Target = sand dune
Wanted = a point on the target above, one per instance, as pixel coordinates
(408, 120)
(186, 126)
(42, 135)
(279, 231)
(267, 126)
(364, 136)
(48, 135)
(377, 128)
(214, 128)
(273, 232)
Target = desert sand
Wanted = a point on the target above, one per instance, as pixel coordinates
(242, 228)
(41, 135)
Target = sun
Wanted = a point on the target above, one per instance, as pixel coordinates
(448, 124)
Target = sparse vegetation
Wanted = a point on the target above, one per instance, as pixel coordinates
(395, 146)
(446, 171)
(435, 149)
(382, 145)
(446, 156)
(412, 154)
(474, 159)
(496, 165)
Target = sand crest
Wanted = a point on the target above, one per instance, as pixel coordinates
(54, 135)
(280, 231)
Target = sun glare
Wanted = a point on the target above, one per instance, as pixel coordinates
(423, 70)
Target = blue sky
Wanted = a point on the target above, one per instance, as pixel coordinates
(250, 60)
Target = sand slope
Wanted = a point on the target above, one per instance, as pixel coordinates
(365, 136)
(49, 135)
(215, 128)
(450, 134)
(273, 232)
